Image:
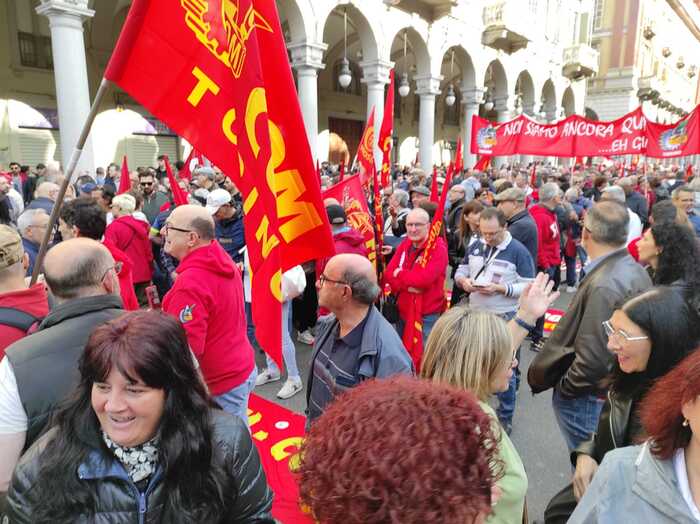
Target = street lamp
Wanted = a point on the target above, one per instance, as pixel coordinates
(404, 87)
(345, 76)
(450, 98)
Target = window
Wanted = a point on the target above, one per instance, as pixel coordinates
(534, 5)
(598, 14)
(35, 50)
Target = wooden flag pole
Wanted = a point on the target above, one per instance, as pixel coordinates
(70, 169)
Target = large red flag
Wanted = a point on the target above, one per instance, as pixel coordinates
(124, 180)
(387, 130)
(434, 186)
(413, 330)
(365, 151)
(459, 163)
(179, 196)
(228, 89)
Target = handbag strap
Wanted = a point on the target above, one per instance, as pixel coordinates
(487, 262)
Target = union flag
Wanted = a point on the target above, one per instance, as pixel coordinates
(386, 131)
(228, 89)
(365, 151)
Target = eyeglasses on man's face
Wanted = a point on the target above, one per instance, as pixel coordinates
(167, 227)
(323, 279)
(117, 267)
(619, 334)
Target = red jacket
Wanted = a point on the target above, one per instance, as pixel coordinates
(131, 236)
(207, 298)
(33, 301)
(431, 279)
(126, 276)
(548, 246)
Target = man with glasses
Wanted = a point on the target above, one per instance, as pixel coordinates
(207, 299)
(355, 342)
(406, 276)
(575, 358)
(39, 371)
(32, 226)
(495, 272)
(153, 200)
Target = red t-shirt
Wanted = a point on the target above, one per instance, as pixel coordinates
(33, 301)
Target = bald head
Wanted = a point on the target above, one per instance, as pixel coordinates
(47, 190)
(77, 268)
(419, 214)
(196, 218)
(359, 274)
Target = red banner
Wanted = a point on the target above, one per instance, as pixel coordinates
(350, 195)
(124, 180)
(386, 131)
(574, 136)
(228, 89)
(365, 151)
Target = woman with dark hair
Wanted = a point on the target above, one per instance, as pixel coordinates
(400, 450)
(467, 233)
(649, 335)
(5, 211)
(672, 254)
(655, 482)
(140, 441)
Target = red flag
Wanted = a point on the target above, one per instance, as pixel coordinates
(434, 186)
(341, 171)
(533, 176)
(179, 197)
(483, 163)
(688, 172)
(622, 169)
(378, 216)
(124, 181)
(185, 173)
(365, 151)
(386, 130)
(459, 163)
(413, 331)
(228, 89)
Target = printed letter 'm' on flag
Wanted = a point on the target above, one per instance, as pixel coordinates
(229, 91)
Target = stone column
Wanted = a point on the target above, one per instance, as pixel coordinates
(471, 99)
(307, 59)
(375, 74)
(427, 88)
(504, 113)
(70, 74)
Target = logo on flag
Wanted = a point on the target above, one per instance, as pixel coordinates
(486, 137)
(674, 138)
(215, 23)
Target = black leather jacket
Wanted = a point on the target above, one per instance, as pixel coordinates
(120, 501)
(618, 427)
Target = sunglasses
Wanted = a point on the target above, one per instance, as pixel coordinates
(146, 183)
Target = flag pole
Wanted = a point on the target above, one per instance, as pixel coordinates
(70, 169)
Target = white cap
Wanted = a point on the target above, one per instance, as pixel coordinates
(216, 199)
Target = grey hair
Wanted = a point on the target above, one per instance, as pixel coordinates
(364, 290)
(203, 227)
(615, 193)
(26, 219)
(84, 274)
(571, 194)
(401, 197)
(682, 189)
(549, 191)
(608, 222)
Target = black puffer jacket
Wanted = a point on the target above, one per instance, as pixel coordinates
(119, 499)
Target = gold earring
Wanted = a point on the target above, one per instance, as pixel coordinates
(685, 422)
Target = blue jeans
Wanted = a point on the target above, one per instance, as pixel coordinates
(288, 349)
(235, 401)
(250, 327)
(571, 265)
(577, 417)
(506, 399)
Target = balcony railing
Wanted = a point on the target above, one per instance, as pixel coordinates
(507, 25)
(579, 61)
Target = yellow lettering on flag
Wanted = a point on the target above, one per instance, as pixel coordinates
(204, 85)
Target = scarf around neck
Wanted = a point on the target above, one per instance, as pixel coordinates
(139, 461)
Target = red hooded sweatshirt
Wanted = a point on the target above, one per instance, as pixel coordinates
(548, 245)
(131, 236)
(207, 298)
(126, 276)
(33, 301)
(431, 279)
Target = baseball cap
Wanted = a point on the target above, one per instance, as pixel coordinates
(11, 250)
(336, 214)
(216, 199)
(512, 193)
(88, 188)
(421, 190)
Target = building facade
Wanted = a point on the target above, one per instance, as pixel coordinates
(649, 55)
(452, 59)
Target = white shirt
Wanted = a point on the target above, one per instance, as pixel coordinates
(634, 229)
(13, 418)
(683, 484)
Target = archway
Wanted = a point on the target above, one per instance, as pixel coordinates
(568, 102)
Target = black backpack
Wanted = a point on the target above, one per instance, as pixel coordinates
(19, 319)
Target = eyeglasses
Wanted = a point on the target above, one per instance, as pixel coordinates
(611, 332)
(146, 183)
(416, 224)
(167, 227)
(323, 279)
(117, 267)
(489, 234)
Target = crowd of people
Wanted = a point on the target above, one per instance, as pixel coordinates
(116, 402)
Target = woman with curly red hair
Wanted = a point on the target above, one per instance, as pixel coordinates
(400, 451)
(658, 481)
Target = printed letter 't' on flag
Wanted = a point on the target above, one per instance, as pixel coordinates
(228, 89)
